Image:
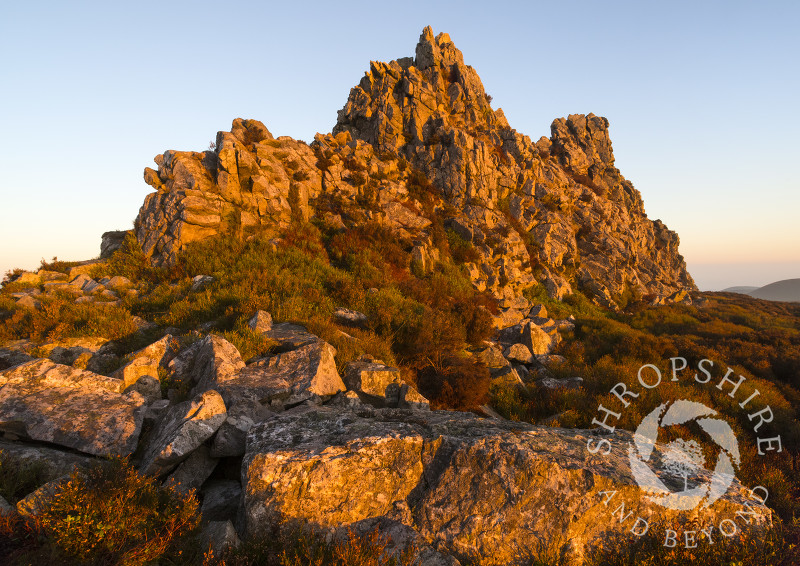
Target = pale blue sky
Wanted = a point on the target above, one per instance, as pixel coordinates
(701, 96)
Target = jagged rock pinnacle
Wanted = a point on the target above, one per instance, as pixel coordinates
(556, 212)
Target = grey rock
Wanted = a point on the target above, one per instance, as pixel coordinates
(10, 358)
(261, 321)
(529, 335)
(41, 400)
(50, 462)
(148, 361)
(306, 373)
(221, 499)
(231, 436)
(111, 242)
(180, 431)
(148, 387)
(5, 507)
(553, 383)
(194, 471)
(207, 362)
(28, 302)
(350, 317)
(551, 360)
(34, 503)
(200, 282)
(492, 356)
(538, 311)
(564, 325)
(291, 336)
(519, 353)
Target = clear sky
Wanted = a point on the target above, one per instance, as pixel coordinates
(702, 99)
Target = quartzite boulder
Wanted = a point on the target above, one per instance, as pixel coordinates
(181, 430)
(477, 489)
(194, 470)
(147, 361)
(261, 321)
(206, 362)
(45, 401)
(307, 373)
(536, 340)
(381, 385)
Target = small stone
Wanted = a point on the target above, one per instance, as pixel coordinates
(261, 321)
(350, 317)
(201, 281)
(565, 383)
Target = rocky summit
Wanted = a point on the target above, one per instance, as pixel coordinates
(417, 144)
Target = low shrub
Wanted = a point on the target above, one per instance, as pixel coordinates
(112, 515)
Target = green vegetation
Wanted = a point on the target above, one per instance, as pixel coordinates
(108, 514)
(17, 481)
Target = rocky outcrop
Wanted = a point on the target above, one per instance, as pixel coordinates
(250, 179)
(555, 211)
(475, 489)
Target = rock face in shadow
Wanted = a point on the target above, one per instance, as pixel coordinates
(555, 211)
(44, 401)
(472, 488)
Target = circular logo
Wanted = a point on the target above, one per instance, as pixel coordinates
(683, 460)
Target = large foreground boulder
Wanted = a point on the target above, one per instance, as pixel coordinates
(473, 488)
(44, 401)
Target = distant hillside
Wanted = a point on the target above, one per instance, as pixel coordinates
(743, 289)
(786, 290)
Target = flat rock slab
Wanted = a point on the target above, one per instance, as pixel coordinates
(290, 336)
(45, 401)
(473, 488)
(180, 431)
